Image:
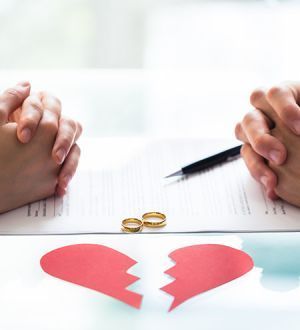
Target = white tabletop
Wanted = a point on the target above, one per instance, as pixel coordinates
(137, 102)
(266, 297)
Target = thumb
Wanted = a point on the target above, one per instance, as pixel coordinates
(12, 99)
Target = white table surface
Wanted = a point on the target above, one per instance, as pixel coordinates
(136, 102)
(266, 297)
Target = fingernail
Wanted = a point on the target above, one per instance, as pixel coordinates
(60, 155)
(297, 126)
(25, 135)
(264, 181)
(275, 156)
(67, 179)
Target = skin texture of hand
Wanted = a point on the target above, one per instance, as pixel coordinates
(27, 171)
(288, 174)
(271, 150)
(27, 109)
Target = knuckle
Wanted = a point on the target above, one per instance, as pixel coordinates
(281, 188)
(243, 150)
(251, 162)
(77, 149)
(248, 119)
(73, 161)
(49, 126)
(80, 128)
(237, 130)
(274, 91)
(43, 93)
(255, 168)
(29, 121)
(53, 98)
(73, 166)
(35, 105)
(14, 93)
(259, 142)
(65, 141)
(257, 94)
(253, 165)
(68, 170)
(71, 123)
(57, 101)
(289, 112)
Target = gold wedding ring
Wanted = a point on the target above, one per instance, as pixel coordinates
(157, 219)
(132, 225)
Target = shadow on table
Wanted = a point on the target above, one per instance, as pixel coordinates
(278, 254)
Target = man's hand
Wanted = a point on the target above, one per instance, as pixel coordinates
(271, 150)
(27, 110)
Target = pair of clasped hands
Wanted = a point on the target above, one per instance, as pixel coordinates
(38, 150)
(271, 136)
(39, 154)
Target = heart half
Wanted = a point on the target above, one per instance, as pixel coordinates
(203, 267)
(95, 267)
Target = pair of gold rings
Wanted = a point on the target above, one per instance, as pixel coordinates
(149, 219)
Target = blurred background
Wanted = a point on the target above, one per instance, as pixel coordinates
(151, 67)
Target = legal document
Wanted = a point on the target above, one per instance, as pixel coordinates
(121, 178)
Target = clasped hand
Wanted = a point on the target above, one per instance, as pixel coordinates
(38, 150)
(271, 139)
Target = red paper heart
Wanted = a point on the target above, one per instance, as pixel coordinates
(95, 267)
(203, 267)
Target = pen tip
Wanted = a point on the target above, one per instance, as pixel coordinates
(174, 174)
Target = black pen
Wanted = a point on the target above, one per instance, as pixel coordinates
(208, 162)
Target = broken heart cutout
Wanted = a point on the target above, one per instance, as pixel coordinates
(96, 267)
(198, 268)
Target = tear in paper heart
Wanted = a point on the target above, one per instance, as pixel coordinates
(95, 267)
(203, 267)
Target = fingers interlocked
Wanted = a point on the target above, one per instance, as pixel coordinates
(260, 145)
(12, 99)
(29, 111)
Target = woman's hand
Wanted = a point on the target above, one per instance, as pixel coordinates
(27, 110)
(27, 171)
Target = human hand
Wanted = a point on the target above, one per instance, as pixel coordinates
(267, 137)
(17, 105)
(27, 171)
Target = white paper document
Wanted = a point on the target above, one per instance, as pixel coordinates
(121, 178)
